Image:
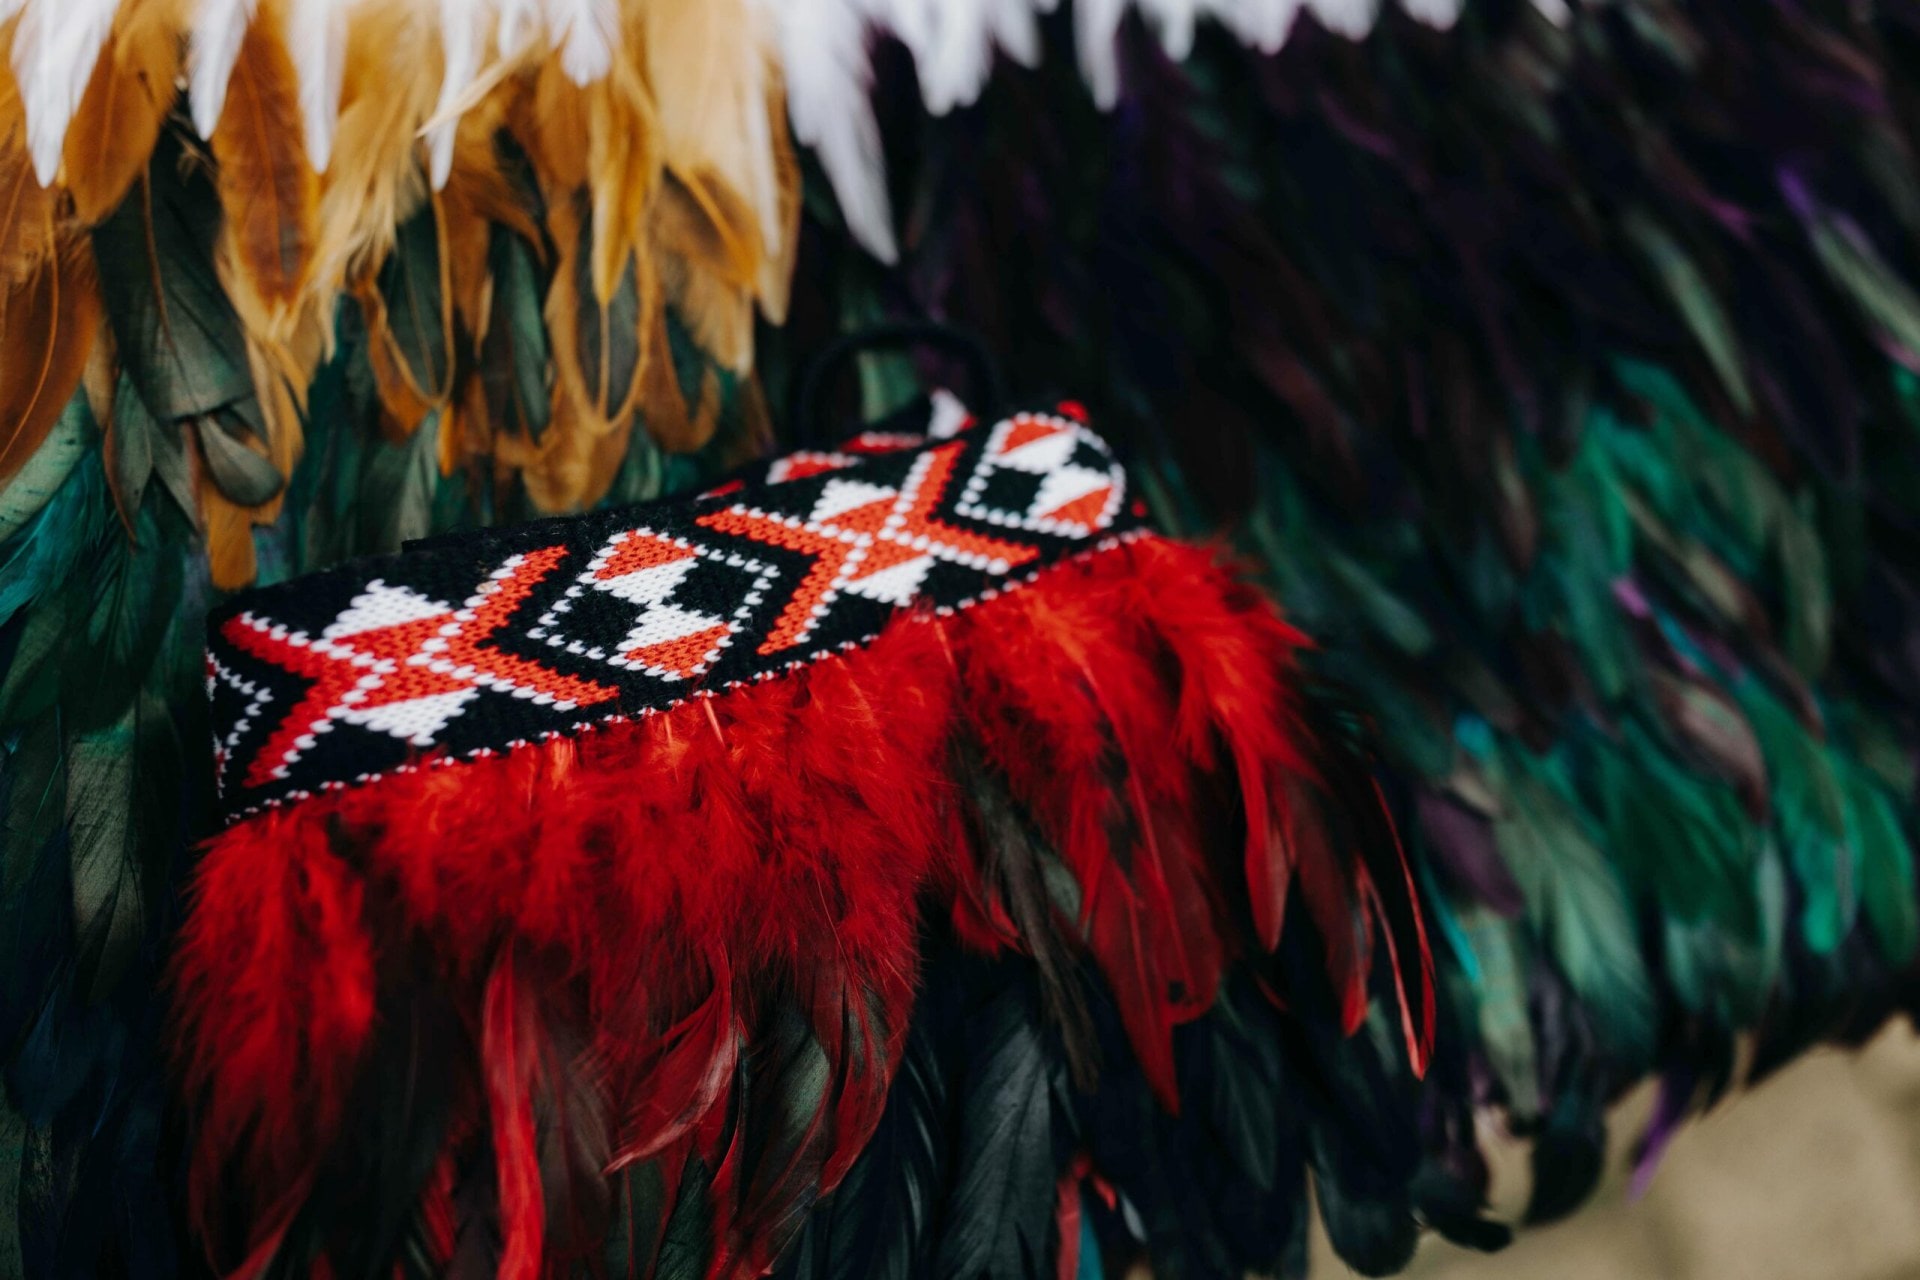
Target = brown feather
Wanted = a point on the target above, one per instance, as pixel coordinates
(26, 208)
(376, 179)
(406, 404)
(477, 195)
(571, 467)
(450, 439)
(548, 118)
(50, 321)
(723, 135)
(776, 264)
(678, 427)
(267, 189)
(475, 423)
(708, 268)
(101, 377)
(601, 386)
(285, 435)
(126, 102)
(406, 401)
(229, 534)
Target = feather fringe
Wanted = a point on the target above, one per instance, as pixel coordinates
(634, 867)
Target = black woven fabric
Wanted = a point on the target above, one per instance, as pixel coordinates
(481, 642)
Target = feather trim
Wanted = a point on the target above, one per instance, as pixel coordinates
(702, 1026)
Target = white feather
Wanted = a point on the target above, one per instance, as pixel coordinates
(584, 31)
(517, 25)
(1096, 25)
(823, 53)
(953, 42)
(822, 45)
(1441, 14)
(317, 39)
(1016, 29)
(1173, 22)
(463, 34)
(1349, 18)
(1558, 12)
(54, 49)
(1260, 24)
(218, 28)
(765, 181)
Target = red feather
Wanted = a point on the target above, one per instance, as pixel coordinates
(509, 1062)
(650, 920)
(274, 980)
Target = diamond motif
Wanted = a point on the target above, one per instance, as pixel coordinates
(399, 663)
(1046, 474)
(871, 531)
(805, 557)
(668, 638)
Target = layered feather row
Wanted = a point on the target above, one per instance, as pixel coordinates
(652, 995)
(1585, 449)
(58, 49)
(513, 223)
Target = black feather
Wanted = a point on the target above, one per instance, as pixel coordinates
(1042, 899)
(362, 1204)
(877, 1225)
(175, 332)
(410, 287)
(997, 1219)
(685, 1247)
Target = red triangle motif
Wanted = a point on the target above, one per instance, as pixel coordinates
(885, 553)
(799, 466)
(1024, 431)
(684, 655)
(639, 551)
(1084, 510)
(868, 518)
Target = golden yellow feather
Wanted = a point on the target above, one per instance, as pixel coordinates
(267, 189)
(228, 529)
(26, 208)
(285, 436)
(596, 347)
(126, 102)
(708, 272)
(733, 217)
(50, 320)
(775, 284)
(406, 400)
(376, 179)
(571, 468)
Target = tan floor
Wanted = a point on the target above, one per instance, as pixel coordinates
(1815, 1175)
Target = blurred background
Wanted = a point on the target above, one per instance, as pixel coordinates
(1814, 1173)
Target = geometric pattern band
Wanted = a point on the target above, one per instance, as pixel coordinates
(480, 642)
